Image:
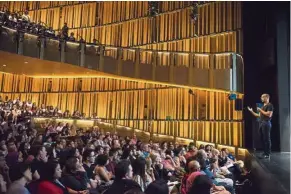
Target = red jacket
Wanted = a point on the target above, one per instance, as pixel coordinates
(47, 187)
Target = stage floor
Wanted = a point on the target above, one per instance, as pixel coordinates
(278, 166)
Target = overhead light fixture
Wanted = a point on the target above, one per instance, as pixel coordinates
(25, 62)
(4, 65)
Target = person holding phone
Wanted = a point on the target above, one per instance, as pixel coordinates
(265, 114)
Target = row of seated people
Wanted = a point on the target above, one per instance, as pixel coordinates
(94, 162)
(22, 22)
(17, 109)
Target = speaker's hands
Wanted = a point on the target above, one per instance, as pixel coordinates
(250, 109)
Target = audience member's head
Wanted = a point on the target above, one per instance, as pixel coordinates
(177, 151)
(158, 187)
(201, 147)
(51, 172)
(224, 152)
(99, 150)
(102, 160)
(208, 148)
(169, 153)
(201, 184)
(193, 166)
(125, 154)
(39, 152)
(213, 163)
(20, 171)
(215, 153)
(72, 164)
(123, 169)
(89, 156)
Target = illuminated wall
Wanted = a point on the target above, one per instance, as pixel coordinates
(207, 116)
(219, 25)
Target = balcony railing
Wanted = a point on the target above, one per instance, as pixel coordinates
(209, 70)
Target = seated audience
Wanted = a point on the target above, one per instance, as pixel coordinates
(74, 176)
(158, 186)
(123, 179)
(89, 162)
(100, 169)
(20, 175)
(68, 159)
(139, 173)
(49, 180)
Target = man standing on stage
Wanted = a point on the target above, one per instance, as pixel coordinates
(265, 115)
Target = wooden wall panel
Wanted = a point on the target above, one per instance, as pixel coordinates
(129, 26)
(121, 99)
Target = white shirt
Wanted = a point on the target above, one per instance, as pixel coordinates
(59, 128)
(26, 17)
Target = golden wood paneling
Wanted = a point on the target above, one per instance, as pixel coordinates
(121, 99)
(226, 133)
(51, 17)
(222, 42)
(137, 30)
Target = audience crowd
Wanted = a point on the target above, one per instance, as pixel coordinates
(62, 159)
(60, 162)
(22, 22)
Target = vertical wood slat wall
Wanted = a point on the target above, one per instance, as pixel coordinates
(129, 26)
(134, 103)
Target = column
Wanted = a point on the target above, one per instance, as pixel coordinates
(211, 70)
(42, 46)
(82, 54)
(20, 42)
(171, 70)
(101, 60)
(137, 63)
(63, 47)
(154, 65)
(190, 70)
(119, 61)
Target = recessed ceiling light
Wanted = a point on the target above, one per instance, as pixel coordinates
(25, 62)
(4, 65)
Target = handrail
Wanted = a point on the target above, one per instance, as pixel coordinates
(135, 49)
(147, 64)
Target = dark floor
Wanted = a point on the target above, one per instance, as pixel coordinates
(278, 166)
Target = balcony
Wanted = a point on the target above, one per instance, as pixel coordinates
(223, 71)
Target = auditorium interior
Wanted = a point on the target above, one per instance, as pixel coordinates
(161, 71)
